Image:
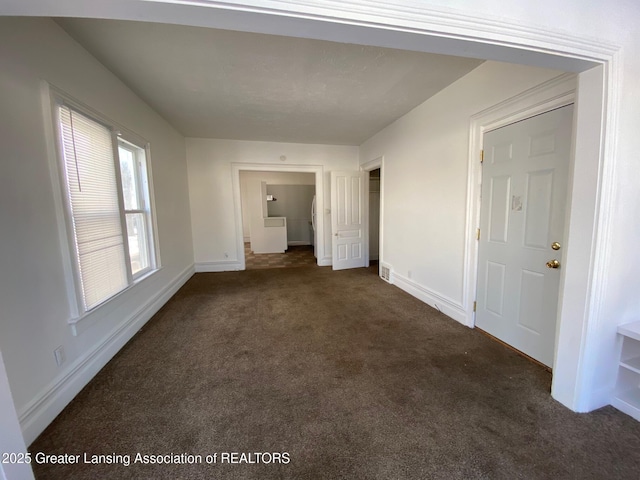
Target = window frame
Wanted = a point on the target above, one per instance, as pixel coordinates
(58, 98)
(141, 170)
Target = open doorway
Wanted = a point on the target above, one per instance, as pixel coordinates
(375, 213)
(277, 226)
(374, 218)
(273, 178)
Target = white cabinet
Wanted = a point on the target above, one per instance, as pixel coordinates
(274, 235)
(627, 394)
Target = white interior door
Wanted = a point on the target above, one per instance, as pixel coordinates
(347, 219)
(524, 184)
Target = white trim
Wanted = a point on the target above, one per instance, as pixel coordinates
(593, 398)
(236, 167)
(325, 261)
(367, 167)
(442, 303)
(555, 93)
(445, 30)
(50, 131)
(50, 401)
(297, 243)
(427, 17)
(84, 320)
(222, 266)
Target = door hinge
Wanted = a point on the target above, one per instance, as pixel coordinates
(475, 304)
(481, 156)
(478, 234)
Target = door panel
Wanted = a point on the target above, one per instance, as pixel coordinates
(347, 203)
(499, 210)
(524, 183)
(495, 287)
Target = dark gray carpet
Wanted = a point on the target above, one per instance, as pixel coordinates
(350, 376)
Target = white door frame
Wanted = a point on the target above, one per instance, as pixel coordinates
(555, 93)
(318, 170)
(367, 167)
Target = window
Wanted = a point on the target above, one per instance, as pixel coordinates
(135, 188)
(107, 188)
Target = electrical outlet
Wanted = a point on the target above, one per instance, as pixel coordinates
(59, 354)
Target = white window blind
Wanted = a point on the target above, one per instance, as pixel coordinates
(87, 148)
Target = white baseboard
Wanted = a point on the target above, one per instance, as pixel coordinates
(325, 261)
(222, 266)
(297, 242)
(246, 239)
(44, 408)
(445, 305)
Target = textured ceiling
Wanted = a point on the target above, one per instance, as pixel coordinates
(235, 85)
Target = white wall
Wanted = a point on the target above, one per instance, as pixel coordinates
(293, 202)
(425, 178)
(11, 440)
(210, 188)
(272, 178)
(35, 310)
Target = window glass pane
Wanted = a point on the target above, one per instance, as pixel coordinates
(127, 172)
(138, 242)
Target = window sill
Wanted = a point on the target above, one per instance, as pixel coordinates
(82, 322)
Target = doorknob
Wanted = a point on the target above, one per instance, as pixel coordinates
(553, 263)
(555, 246)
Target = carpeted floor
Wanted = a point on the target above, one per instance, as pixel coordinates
(350, 376)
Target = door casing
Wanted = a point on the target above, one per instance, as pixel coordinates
(368, 167)
(318, 170)
(556, 93)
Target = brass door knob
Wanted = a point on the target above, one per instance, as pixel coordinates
(555, 246)
(553, 263)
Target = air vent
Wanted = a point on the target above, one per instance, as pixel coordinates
(385, 272)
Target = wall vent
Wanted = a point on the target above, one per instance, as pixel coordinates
(385, 272)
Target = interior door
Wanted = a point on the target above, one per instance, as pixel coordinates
(347, 219)
(524, 191)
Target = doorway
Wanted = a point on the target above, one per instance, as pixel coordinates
(318, 173)
(522, 224)
(374, 217)
(277, 219)
(375, 213)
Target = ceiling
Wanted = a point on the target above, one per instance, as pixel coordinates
(226, 84)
